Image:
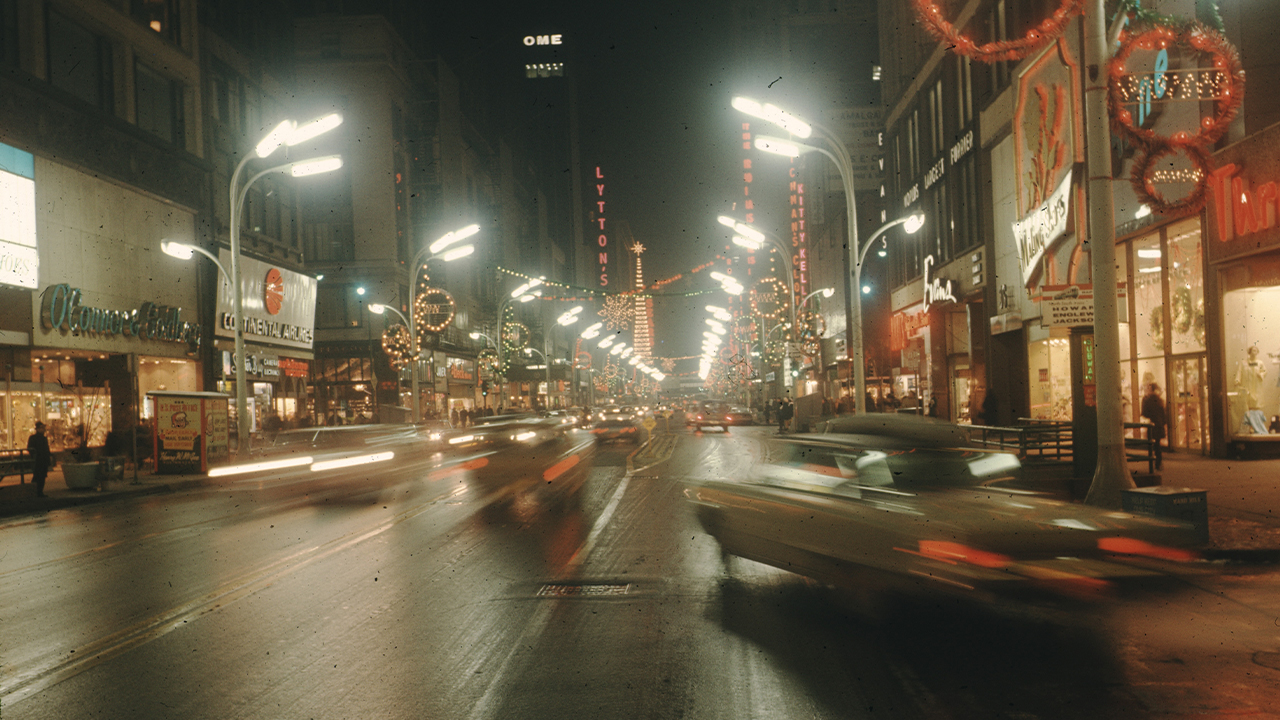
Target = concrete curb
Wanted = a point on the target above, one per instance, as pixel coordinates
(61, 501)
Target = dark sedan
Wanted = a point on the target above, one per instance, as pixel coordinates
(908, 508)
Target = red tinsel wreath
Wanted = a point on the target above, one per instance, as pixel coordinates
(1201, 39)
(1035, 39)
(1145, 189)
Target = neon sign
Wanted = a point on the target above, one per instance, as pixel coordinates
(1239, 209)
(935, 289)
(602, 240)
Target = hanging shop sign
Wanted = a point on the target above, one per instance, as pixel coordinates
(279, 305)
(61, 310)
(1040, 231)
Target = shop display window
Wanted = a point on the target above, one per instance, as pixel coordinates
(1149, 317)
(1251, 335)
(1049, 366)
(1186, 288)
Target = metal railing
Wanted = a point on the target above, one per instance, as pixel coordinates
(1033, 440)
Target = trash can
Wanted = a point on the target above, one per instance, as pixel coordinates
(1186, 504)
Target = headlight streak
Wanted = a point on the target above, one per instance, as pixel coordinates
(351, 461)
(261, 466)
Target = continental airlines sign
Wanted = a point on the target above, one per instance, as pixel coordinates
(279, 305)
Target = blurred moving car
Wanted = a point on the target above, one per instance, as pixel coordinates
(738, 415)
(710, 414)
(616, 423)
(896, 503)
(525, 457)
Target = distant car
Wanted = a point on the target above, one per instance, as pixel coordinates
(616, 424)
(740, 416)
(896, 505)
(710, 415)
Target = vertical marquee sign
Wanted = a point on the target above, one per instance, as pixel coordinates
(602, 239)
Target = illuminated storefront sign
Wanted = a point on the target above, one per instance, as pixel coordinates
(279, 305)
(799, 238)
(1239, 209)
(935, 289)
(19, 260)
(1038, 232)
(532, 40)
(602, 239)
(60, 309)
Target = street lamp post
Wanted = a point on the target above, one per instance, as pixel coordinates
(286, 133)
(476, 335)
(546, 366)
(751, 238)
(438, 249)
(378, 309)
(910, 223)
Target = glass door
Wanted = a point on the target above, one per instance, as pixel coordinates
(1187, 403)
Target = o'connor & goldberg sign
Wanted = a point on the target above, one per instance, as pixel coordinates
(279, 305)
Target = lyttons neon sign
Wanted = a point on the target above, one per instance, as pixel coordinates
(602, 240)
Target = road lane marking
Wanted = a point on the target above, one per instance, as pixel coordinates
(598, 527)
(45, 674)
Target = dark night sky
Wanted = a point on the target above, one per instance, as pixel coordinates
(655, 80)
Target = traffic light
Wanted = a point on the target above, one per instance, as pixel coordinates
(484, 388)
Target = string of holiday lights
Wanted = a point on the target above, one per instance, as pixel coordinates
(596, 294)
(1035, 39)
(617, 312)
(1223, 85)
(433, 310)
(769, 290)
(1144, 180)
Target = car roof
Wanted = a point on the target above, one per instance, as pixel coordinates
(899, 429)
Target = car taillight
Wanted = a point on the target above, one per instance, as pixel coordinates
(955, 552)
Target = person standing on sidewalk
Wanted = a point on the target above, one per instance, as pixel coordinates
(1153, 410)
(41, 458)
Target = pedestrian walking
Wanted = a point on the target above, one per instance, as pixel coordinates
(768, 413)
(1153, 410)
(785, 411)
(453, 418)
(41, 458)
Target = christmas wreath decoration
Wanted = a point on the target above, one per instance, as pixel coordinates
(398, 345)
(1227, 79)
(1144, 183)
(1035, 39)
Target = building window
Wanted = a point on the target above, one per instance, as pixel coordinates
(338, 306)
(159, 104)
(79, 61)
(328, 230)
(159, 15)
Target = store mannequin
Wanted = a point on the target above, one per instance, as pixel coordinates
(1249, 376)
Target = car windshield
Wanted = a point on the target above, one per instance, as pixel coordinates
(833, 466)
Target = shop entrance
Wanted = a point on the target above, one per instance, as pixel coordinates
(1188, 400)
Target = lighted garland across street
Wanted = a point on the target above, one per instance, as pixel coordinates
(812, 328)
(398, 345)
(1035, 39)
(596, 293)
(1222, 84)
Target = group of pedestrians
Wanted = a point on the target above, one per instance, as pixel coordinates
(466, 417)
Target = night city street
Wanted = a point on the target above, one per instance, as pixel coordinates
(698, 360)
(427, 598)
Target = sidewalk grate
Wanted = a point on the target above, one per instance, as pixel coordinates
(583, 589)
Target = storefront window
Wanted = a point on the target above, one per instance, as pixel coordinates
(1186, 288)
(1049, 363)
(1122, 276)
(1252, 349)
(1150, 318)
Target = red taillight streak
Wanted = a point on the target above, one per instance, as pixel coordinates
(949, 551)
(1133, 546)
(559, 468)
(475, 464)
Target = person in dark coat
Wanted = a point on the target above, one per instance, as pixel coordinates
(41, 458)
(785, 411)
(1153, 411)
(990, 409)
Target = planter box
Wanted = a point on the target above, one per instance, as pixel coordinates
(80, 476)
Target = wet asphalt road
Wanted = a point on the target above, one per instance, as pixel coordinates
(426, 594)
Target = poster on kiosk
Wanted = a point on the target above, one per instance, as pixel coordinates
(191, 431)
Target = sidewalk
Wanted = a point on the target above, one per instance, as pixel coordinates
(20, 498)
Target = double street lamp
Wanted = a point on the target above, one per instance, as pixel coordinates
(443, 250)
(286, 133)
